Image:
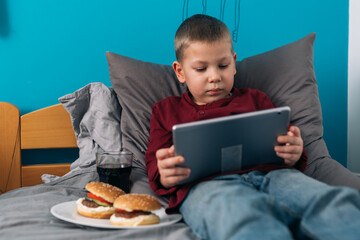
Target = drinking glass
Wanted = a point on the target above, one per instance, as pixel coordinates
(114, 168)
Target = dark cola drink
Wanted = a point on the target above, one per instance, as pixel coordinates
(116, 174)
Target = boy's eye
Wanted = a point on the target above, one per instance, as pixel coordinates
(200, 69)
(223, 66)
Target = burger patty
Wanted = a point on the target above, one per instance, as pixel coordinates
(131, 214)
(89, 204)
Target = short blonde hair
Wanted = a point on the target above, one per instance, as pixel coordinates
(201, 28)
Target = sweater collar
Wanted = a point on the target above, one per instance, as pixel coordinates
(221, 102)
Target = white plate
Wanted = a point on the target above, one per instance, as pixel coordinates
(67, 211)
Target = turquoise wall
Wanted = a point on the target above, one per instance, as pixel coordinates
(49, 48)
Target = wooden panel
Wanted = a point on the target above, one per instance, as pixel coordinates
(47, 128)
(10, 162)
(31, 175)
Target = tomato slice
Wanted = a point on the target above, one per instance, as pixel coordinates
(93, 196)
(120, 210)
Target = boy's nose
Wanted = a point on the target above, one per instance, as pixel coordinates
(214, 76)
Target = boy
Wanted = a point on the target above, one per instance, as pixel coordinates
(265, 202)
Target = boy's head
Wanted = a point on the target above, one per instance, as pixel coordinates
(205, 58)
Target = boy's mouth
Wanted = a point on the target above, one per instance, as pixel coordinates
(214, 91)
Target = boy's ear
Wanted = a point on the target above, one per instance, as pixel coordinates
(235, 57)
(179, 71)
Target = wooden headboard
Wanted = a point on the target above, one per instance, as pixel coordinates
(46, 128)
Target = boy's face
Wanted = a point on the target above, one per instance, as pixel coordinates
(208, 70)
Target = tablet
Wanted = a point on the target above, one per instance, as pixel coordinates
(230, 143)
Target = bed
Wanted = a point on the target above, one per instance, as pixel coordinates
(97, 117)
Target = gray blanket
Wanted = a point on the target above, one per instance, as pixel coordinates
(95, 117)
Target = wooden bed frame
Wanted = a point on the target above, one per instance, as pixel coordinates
(47, 128)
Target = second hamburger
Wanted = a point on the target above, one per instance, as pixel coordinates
(135, 209)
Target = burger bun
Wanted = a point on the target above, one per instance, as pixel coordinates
(104, 190)
(99, 212)
(135, 201)
(136, 221)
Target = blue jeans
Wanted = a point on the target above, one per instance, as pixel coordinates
(282, 204)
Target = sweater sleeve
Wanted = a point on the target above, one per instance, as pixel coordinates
(303, 161)
(160, 137)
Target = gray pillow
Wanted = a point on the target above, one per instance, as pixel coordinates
(285, 74)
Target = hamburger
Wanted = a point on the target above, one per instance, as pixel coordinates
(135, 209)
(99, 200)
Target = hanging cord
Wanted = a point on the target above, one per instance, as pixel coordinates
(237, 20)
(222, 10)
(12, 158)
(204, 3)
(185, 9)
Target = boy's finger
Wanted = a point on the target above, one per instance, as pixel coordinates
(293, 149)
(171, 150)
(161, 153)
(289, 139)
(164, 153)
(178, 171)
(170, 162)
(295, 130)
(286, 156)
(290, 133)
(173, 180)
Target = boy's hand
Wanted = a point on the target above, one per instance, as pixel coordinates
(292, 147)
(170, 173)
